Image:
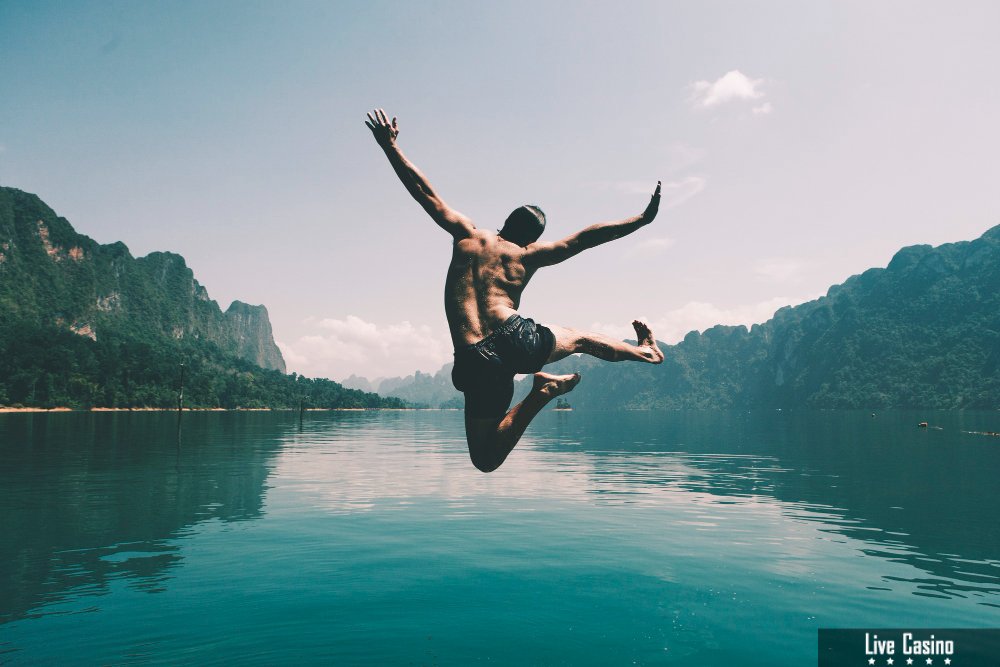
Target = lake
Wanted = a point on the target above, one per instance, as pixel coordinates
(687, 538)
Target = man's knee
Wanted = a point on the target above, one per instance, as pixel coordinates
(484, 463)
(482, 448)
(483, 457)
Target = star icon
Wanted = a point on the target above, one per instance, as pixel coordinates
(947, 661)
(909, 661)
(889, 661)
(929, 661)
(871, 661)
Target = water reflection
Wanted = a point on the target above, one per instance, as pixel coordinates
(923, 499)
(88, 498)
(913, 496)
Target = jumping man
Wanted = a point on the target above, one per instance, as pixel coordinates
(482, 291)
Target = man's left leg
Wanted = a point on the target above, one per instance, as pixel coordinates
(491, 440)
(572, 341)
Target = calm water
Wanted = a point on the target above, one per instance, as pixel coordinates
(690, 538)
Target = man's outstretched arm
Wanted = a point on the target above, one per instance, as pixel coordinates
(416, 183)
(553, 252)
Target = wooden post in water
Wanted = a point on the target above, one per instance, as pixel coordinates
(180, 394)
(128, 391)
(302, 400)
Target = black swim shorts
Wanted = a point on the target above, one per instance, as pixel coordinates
(485, 371)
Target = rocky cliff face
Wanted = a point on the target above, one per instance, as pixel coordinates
(250, 329)
(51, 274)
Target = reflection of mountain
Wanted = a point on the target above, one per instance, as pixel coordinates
(125, 491)
(90, 499)
(914, 496)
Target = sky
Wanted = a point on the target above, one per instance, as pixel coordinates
(798, 143)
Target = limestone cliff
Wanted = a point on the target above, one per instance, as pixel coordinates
(250, 328)
(50, 274)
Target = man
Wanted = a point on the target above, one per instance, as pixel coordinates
(482, 291)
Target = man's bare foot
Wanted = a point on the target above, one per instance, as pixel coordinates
(644, 335)
(554, 385)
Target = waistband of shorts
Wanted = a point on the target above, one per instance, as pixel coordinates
(508, 325)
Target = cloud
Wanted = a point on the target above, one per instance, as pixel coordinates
(764, 108)
(672, 326)
(672, 193)
(731, 86)
(292, 358)
(778, 270)
(341, 347)
(651, 247)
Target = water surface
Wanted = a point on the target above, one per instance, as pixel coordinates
(709, 538)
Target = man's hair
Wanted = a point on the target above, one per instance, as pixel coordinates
(524, 225)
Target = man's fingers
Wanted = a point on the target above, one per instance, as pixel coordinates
(370, 126)
(394, 123)
(374, 122)
(381, 114)
(656, 192)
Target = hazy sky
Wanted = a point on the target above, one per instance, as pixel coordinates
(798, 143)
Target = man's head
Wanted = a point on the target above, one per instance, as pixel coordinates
(524, 225)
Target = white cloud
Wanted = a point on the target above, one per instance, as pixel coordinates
(778, 270)
(338, 348)
(731, 86)
(764, 108)
(341, 347)
(672, 326)
(292, 358)
(651, 247)
(672, 193)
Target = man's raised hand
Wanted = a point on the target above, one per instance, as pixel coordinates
(384, 131)
(654, 206)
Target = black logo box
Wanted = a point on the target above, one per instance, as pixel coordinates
(854, 647)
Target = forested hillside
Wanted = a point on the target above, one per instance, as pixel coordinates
(922, 332)
(84, 324)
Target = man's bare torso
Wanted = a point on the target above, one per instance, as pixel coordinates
(484, 284)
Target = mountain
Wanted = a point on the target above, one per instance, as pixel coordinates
(51, 274)
(419, 389)
(84, 324)
(923, 332)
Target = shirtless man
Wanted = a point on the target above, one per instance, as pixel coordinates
(482, 291)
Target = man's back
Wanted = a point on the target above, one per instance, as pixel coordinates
(493, 343)
(483, 288)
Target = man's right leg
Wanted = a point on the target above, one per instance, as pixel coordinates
(491, 439)
(571, 341)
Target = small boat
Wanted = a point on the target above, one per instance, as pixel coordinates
(562, 404)
(922, 425)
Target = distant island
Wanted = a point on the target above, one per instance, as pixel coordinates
(924, 332)
(86, 325)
